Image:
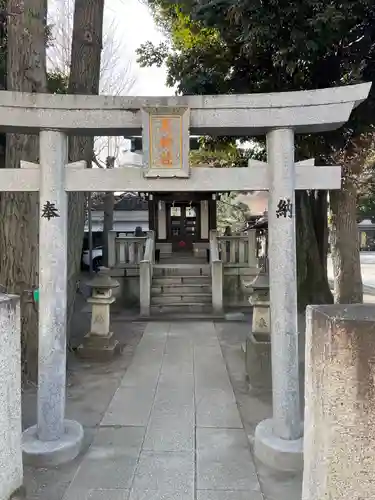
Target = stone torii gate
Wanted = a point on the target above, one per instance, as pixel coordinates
(166, 124)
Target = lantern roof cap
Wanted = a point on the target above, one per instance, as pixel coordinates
(103, 279)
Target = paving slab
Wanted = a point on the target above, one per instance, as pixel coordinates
(108, 495)
(224, 461)
(172, 430)
(228, 495)
(174, 403)
(160, 328)
(110, 463)
(165, 471)
(142, 376)
(217, 408)
(255, 406)
(130, 406)
(170, 434)
(161, 495)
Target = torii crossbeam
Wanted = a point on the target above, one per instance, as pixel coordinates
(253, 178)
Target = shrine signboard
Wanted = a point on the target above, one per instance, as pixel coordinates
(166, 141)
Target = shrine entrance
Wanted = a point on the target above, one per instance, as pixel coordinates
(166, 124)
(183, 228)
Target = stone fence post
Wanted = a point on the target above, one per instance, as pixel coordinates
(11, 472)
(339, 456)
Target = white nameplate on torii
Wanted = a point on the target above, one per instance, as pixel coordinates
(253, 178)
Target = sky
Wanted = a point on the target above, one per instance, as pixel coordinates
(129, 24)
(134, 27)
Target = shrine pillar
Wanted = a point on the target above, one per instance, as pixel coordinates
(53, 440)
(278, 441)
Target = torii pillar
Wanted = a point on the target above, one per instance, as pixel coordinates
(278, 441)
(53, 440)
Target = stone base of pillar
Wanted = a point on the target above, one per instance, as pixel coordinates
(99, 347)
(258, 361)
(277, 453)
(52, 453)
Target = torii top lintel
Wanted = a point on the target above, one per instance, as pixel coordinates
(241, 115)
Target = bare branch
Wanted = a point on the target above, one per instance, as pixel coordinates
(96, 161)
(116, 75)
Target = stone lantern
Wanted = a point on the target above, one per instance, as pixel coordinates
(258, 341)
(100, 343)
(260, 300)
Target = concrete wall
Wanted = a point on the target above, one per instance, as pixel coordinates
(121, 219)
(131, 291)
(11, 472)
(128, 293)
(340, 403)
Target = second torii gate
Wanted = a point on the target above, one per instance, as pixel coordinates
(279, 116)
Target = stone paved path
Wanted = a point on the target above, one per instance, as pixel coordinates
(172, 430)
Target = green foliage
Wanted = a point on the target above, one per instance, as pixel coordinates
(242, 46)
(57, 83)
(226, 154)
(229, 156)
(366, 207)
(231, 213)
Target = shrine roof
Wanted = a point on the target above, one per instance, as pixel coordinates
(126, 204)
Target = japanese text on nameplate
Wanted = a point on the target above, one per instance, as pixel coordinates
(284, 208)
(166, 142)
(49, 211)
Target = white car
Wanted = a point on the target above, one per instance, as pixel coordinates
(97, 256)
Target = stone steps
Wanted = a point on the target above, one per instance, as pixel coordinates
(181, 289)
(181, 280)
(181, 309)
(181, 270)
(175, 299)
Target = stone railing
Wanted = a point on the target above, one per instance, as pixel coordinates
(216, 274)
(125, 250)
(238, 251)
(146, 268)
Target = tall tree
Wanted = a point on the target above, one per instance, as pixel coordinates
(84, 78)
(226, 46)
(116, 71)
(26, 72)
(109, 207)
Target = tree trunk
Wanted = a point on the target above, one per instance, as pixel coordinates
(84, 79)
(313, 286)
(109, 206)
(348, 287)
(19, 212)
